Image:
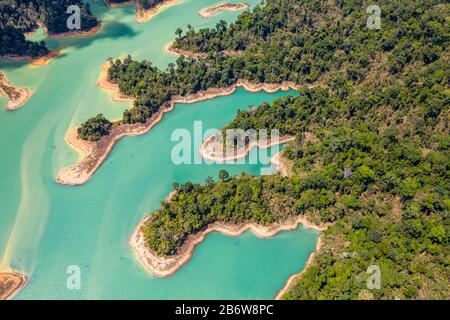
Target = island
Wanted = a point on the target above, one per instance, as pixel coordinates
(17, 97)
(210, 11)
(10, 283)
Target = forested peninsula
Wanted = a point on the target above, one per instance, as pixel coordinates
(18, 17)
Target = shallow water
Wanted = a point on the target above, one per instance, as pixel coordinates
(46, 227)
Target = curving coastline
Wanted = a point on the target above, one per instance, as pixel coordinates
(225, 6)
(38, 62)
(144, 15)
(281, 164)
(180, 52)
(94, 153)
(77, 33)
(115, 4)
(197, 55)
(295, 276)
(208, 149)
(165, 266)
(10, 283)
(16, 96)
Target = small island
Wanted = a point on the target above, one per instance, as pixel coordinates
(17, 97)
(210, 11)
(10, 283)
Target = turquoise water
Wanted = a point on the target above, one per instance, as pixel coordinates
(46, 227)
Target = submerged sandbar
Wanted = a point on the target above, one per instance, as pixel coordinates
(10, 283)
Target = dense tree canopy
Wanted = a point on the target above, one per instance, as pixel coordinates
(19, 16)
(371, 153)
(375, 163)
(299, 41)
(13, 42)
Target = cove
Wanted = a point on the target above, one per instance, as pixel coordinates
(46, 227)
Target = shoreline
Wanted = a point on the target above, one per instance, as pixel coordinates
(110, 5)
(18, 282)
(295, 276)
(168, 49)
(80, 172)
(224, 6)
(277, 161)
(37, 62)
(16, 96)
(41, 61)
(165, 266)
(80, 33)
(144, 15)
(180, 52)
(207, 149)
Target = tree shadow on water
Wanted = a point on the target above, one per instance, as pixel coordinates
(112, 30)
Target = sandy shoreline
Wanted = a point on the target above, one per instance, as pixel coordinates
(208, 149)
(10, 283)
(117, 5)
(16, 96)
(292, 278)
(180, 52)
(280, 164)
(198, 55)
(77, 33)
(210, 11)
(165, 266)
(144, 15)
(98, 151)
(38, 62)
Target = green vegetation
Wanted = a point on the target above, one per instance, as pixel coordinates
(13, 42)
(371, 153)
(375, 163)
(94, 128)
(231, 200)
(19, 16)
(300, 41)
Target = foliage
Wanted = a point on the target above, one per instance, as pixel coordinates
(19, 16)
(94, 128)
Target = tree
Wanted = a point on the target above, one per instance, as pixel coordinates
(224, 175)
(178, 32)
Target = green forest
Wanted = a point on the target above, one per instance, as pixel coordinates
(371, 154)
(377, 167)
(280, 40)
(20, 16)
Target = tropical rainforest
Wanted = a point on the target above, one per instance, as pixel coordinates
(371, 153)
(20, 16)
(371, 149)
